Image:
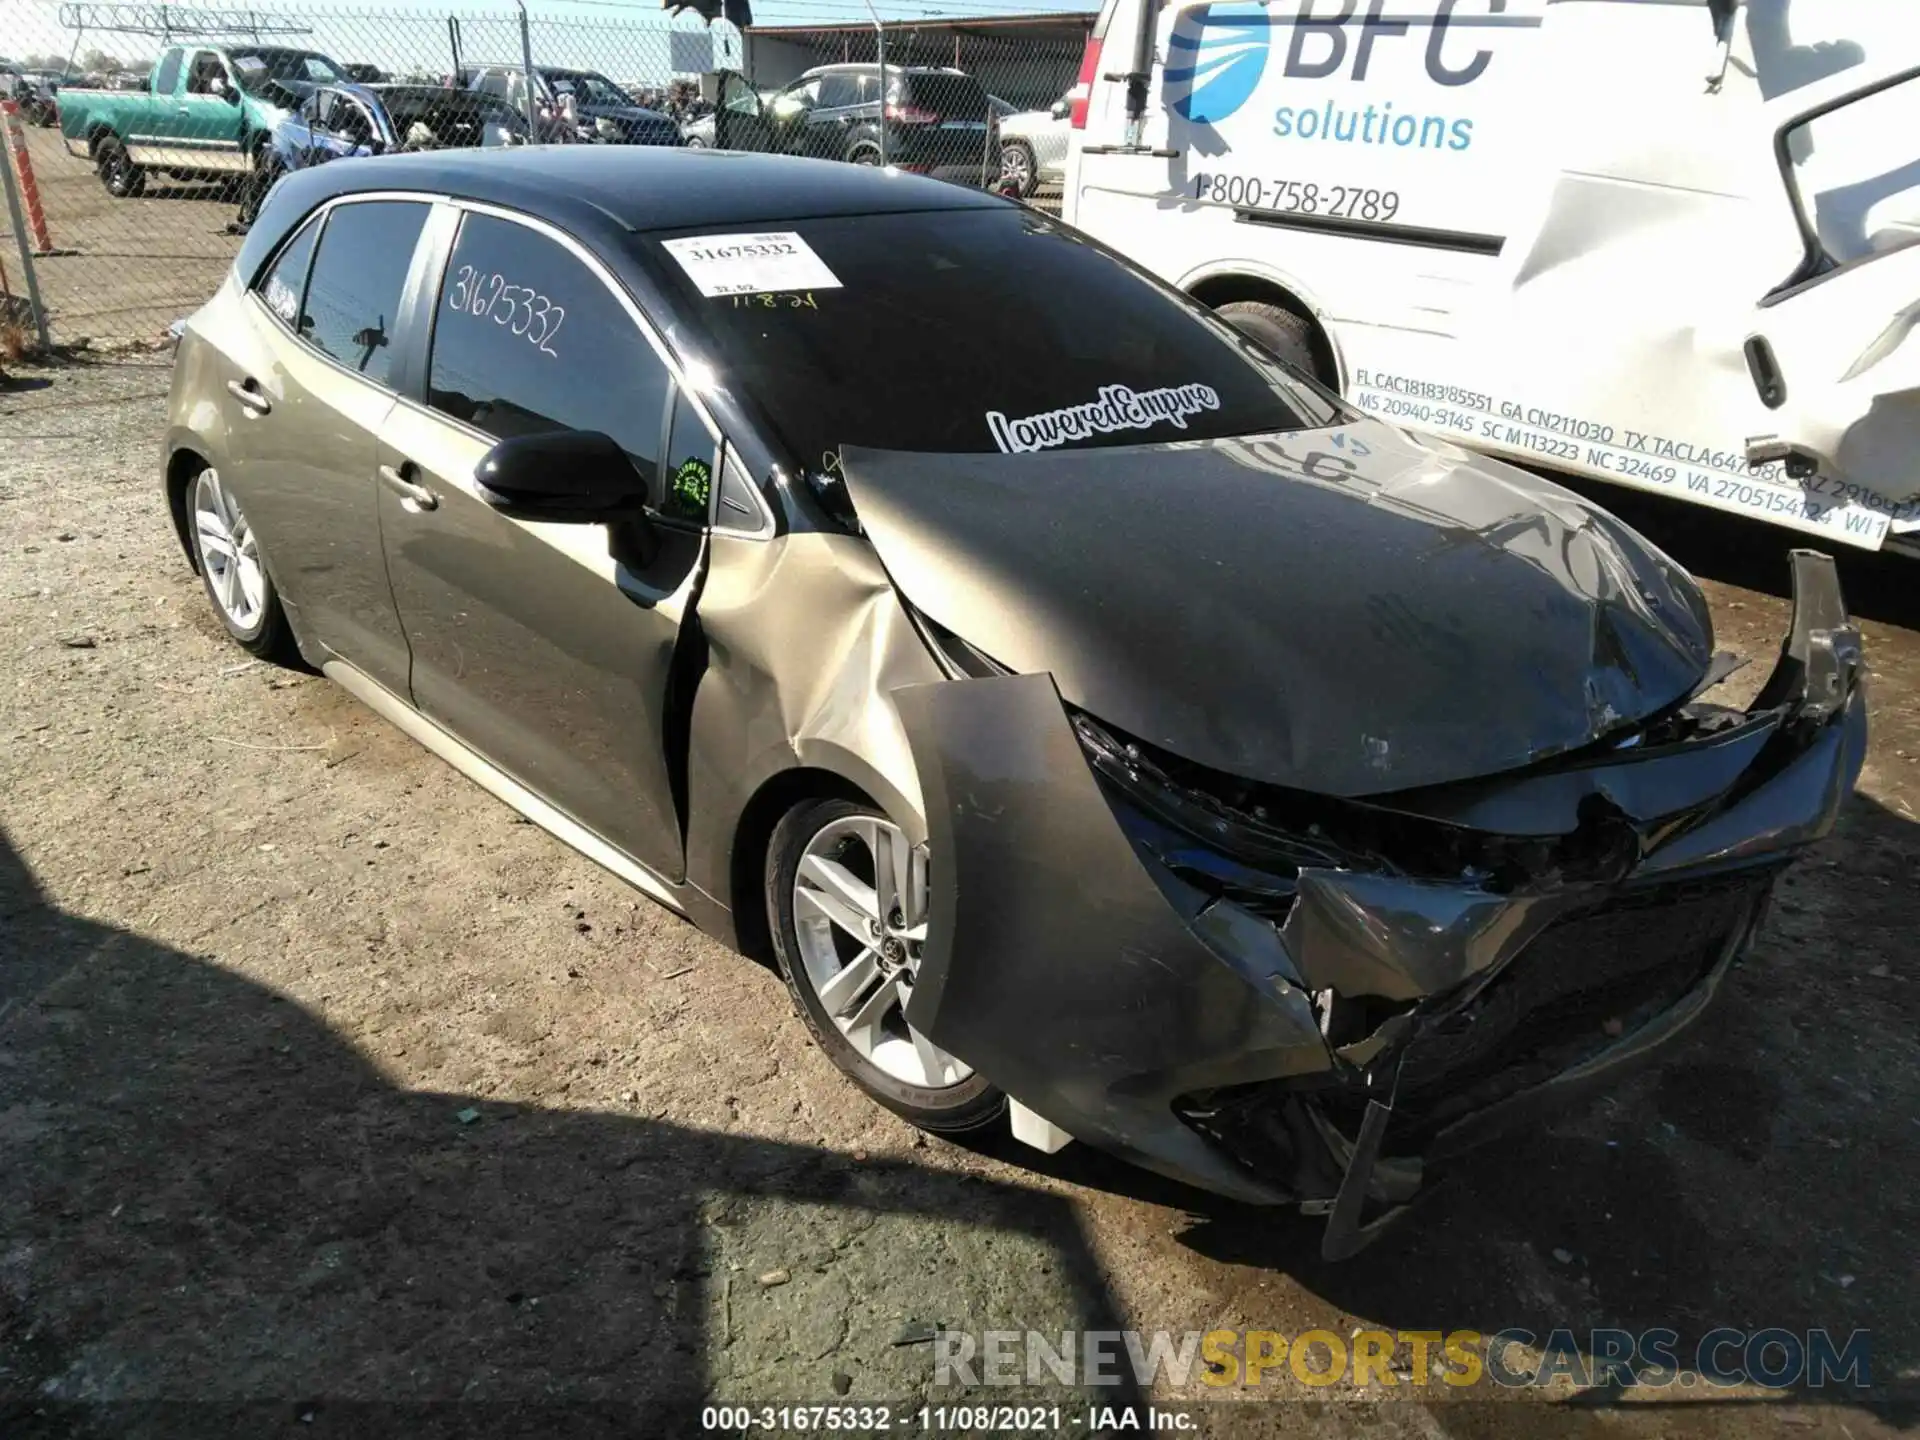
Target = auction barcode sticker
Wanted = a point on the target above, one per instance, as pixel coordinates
(751, 264)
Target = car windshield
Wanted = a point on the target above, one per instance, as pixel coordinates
(588, 88)
(255, 69)
(965, 331)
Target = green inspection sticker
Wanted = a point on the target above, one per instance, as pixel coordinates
(689, 489)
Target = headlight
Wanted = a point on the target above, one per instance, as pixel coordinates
(606, 129)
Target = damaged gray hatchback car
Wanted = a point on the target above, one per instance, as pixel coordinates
(1092, 717)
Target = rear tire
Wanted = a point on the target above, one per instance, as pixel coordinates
(231, 569)
(258, 182)
(118, 173)
(863, 155)
(1281, 332)
(889, 1058)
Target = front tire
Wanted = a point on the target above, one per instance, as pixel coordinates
(863, 155)
(260, 179)
(847, 905)
(233, 572)
(118, 173)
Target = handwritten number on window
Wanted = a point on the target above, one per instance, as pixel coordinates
(520, 309)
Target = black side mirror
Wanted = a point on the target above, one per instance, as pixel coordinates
(580, 476)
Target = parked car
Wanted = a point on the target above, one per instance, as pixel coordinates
(341, 121)
(1033, 147)
(698, 133)
(38, 95)
(365, 74)
(206, 113)
(575, 105)
(435, 117)
(938, 121)
(1136, 739)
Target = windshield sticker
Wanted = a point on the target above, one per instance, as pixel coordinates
(751, 264)
(1119, 408)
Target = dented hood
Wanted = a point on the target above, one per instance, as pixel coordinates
(1346, 611)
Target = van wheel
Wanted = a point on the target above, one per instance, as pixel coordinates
(847, 904)
(118, 173)
(1279, 331)
(863, 155)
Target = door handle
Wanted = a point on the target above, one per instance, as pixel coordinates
(417, 496)
(250, 398)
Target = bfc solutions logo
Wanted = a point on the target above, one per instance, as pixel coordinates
(1215, 59)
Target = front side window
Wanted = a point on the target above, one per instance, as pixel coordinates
(285, 284)
(967, 331)
(591, 89)
(1856, 178)
(837, 90)
(528, 340)
(359, 274)
(167, 78)
(789, 104)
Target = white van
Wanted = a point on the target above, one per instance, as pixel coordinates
(1664, 243)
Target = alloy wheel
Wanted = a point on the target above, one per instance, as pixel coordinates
(228, 552)
(860, 916)
(1016, 165)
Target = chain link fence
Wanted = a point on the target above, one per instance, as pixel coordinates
(142, 137)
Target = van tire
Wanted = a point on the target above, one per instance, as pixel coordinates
(1281, 332)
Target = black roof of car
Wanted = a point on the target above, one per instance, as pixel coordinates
(601, 193)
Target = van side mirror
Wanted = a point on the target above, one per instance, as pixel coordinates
(577, 476)
(1061, 109)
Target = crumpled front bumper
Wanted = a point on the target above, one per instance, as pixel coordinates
(1188, 1034)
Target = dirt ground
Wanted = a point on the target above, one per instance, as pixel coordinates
(121, 271)
(329, 1088)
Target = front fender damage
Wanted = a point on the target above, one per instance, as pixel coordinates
(1323, 1032)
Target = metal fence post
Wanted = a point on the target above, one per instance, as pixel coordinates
(19, 220)
(526, 59)
(880, 54)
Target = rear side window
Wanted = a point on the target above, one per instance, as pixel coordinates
(957, 97)
(285, 283)
(527, 340)
(967, 331)
(359, 274)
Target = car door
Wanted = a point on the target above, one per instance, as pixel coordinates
(312, 382)
(205, 122)
(139, 112)
(740, 119)
(547, 648)
(300, 134)
(829, 126)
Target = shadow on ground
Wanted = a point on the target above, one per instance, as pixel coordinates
(206, 1195)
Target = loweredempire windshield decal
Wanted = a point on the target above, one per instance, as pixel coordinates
(1120, 407)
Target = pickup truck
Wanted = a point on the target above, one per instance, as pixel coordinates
(206, 113)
